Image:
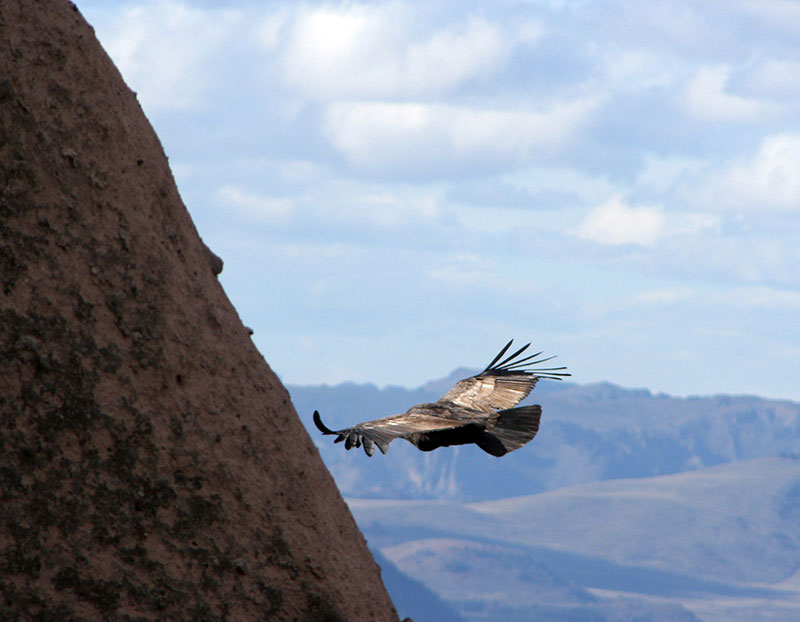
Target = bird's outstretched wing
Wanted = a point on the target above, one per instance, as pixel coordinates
(411, 426)
(477, 410)
(504, 383)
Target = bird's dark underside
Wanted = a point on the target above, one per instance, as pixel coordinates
(479, 410)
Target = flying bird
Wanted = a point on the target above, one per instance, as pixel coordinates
(479, 409)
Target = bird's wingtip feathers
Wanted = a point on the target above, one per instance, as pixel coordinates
(511, 364)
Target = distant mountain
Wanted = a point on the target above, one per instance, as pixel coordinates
(589, 433)
(412, 598)
(627, 506)
(713, 544)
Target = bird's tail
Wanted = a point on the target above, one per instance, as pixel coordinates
(514, 427)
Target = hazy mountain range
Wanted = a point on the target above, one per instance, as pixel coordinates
(588, 433)
(627, 506)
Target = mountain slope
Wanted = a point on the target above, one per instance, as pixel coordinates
(716, 540)
(412, 597)
(588, 433)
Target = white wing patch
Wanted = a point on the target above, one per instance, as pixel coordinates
(488, 392)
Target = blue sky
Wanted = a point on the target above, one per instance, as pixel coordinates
(398, 188)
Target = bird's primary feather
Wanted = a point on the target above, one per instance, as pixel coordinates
(479, 409)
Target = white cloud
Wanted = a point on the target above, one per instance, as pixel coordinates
(770, 179)
(362, 51)
(661, 173)
(388, 210)
(762, 297)
(327, 207)
(664, 296)
(383, 136)
(631, 70)
(705, 97)
(614, 222)
(269, 28)
(498, 220)
(755, 296)
(301, 171)
(750, 257)
(295, 118)
(774, 78)
(779, 15)
(167, 51)
(254, 206)
(473, 272)
(689, 223)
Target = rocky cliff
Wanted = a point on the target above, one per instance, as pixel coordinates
(152, 466)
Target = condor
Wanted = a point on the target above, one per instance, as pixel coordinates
(480, 409)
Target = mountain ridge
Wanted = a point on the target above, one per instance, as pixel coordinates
(589, 433)
(674, 544)
(607, 499)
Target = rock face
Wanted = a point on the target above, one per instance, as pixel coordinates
(152, 466)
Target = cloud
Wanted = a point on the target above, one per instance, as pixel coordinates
(436, 138)
(769, 179)
(254, 206)
(269, 28)
(497, 192)
(778, 15)
(356, 51)
(167, 51)
(774, 78)
(339, 210)
(388, 210)
(638, 70)
(302, 171)
(660, 174)
(614, 222)
(473, 273)
(752, 296)
(705, 97)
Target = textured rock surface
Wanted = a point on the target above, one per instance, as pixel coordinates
(151, 464)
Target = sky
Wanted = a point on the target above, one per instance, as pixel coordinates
(399, 188)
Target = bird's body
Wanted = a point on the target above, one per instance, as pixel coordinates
(479, 409)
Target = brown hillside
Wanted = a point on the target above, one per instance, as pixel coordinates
(152, 466)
